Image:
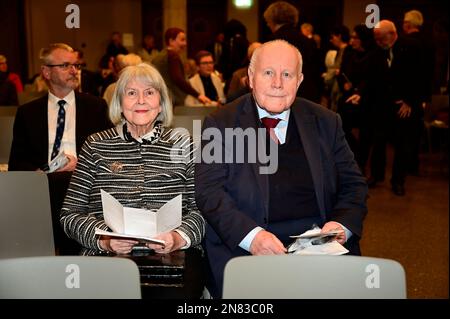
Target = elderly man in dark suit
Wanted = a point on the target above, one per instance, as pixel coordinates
(58, 122)
(393, 93)
(316, 182)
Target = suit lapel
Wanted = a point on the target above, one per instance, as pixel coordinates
(198, 84)
(79, 116)
(307, 127)
(248, 119)
(42, 128)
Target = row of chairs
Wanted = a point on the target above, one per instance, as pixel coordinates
(249, 277)
(26, 231)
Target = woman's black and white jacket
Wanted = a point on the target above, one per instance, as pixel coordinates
(140, 174)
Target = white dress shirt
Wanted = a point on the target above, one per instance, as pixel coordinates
(68, 142)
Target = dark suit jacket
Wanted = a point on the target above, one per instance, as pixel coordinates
(29, 149)
(90, 82)
(234, 197)
(8, 93)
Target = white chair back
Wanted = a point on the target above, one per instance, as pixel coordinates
(25, 215)
(69, 277)
(313, 277)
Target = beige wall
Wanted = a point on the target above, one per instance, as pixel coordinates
(355, 12)
(249, 17)
(45, 23)
(175, 14)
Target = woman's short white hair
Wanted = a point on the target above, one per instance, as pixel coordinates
(275, 42)
(142, 73)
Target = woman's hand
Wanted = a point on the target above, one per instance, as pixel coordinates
(173, 242)
(118, 246)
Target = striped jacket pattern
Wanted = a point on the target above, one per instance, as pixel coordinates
(143, 174)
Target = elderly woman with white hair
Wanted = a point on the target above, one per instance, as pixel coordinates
(134, 162)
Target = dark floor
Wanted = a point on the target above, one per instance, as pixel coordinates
(413, 229)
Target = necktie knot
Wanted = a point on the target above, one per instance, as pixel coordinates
(61, 103)
(270, 122)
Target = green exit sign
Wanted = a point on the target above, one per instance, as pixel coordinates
(243, 4)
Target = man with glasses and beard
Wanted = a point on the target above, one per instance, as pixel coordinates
(59, 122)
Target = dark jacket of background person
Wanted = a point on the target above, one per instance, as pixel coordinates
(426, 64)
(114, 49)
(29, 149)
(234, 49)
(8, 93)
(310, 88)
(234, 197)
(90, 82)
(382, 86)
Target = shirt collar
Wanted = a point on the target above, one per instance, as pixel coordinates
(69, 98)
(284, 116)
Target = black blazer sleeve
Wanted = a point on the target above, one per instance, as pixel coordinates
(29, 148)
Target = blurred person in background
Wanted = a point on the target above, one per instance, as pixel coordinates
(206, 81)
(170, 65)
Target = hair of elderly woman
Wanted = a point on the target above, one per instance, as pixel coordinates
(281, 12)
(142, 73)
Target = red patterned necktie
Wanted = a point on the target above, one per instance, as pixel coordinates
(270, 124)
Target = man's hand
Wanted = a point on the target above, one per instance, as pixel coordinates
(404, 111)
(266, 243)
(333, 226)
(354, 99)
(204, 99)
(173, 242)
(118, 246)
(71, 164)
